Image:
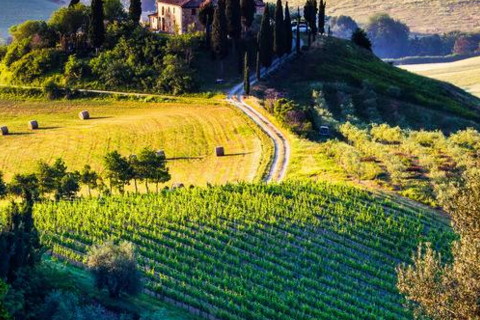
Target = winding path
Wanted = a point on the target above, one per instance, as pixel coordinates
(281, 156)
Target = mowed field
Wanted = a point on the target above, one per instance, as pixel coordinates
(188, 131)
(463, 73)
(425, 16)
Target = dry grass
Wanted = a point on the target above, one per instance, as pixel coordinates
(424, 16)
(188, 131)
(464, 73)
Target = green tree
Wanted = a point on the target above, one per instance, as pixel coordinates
(151, 167)
(113, 10)
(70, 23)
(89, 178)
(50, 177)
(248, 12)
(233, 16)
(114, 268)
(310, 15)
(279, 31)
(135, 11)
(3, 186)
(118, 170)
(19, 241)
(321, 16)
(246, 75)
(176, 77)
(264, 38)
(297, 33)
(73, 3)
(205, 15)
(25, 186)
(3, 292)
(219, 33)
(97, 26)
(68, 187)
(288, 30)
(258, 66)
(450, 290)
(390, 38)
(360, 38)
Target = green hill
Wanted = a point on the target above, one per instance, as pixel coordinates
(298, 250)
(344, 71)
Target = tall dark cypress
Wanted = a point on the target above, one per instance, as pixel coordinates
(97, 28)
(288, 30)
(246, 75)
(258, 66)
(297, 33)
(264, 38)
(279, 31)
(135, 11)
(308, 14)
(248, 9)
(321, 17)
(234, 19)
(73, 2)
(219, 33)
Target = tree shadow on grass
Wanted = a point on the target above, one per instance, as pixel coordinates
(185, 158)
(237, 154)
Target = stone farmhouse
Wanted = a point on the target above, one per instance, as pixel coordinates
(181, 16)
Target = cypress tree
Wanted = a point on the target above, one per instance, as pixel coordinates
(219, 33)
(73, 2)
(233, 15)
(258, 66)
(321, 17)
(279, 34)
(246, 75)
(297, 33)
(97, 28)
(248, 9)
(205, 16)
(314, 19)
(265, 43)
(288, 30)
(135, 11)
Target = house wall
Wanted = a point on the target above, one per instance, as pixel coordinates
(169, 18)
(190, 21)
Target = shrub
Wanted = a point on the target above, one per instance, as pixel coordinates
(76, 69)
(16, 51)
(114, 268)
(51, 89)
(36, 64)
(387, 134)
(176, 77)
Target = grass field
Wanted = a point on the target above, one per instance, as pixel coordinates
(292, 251)
(424, 16)
(463, 73)
(187, 129)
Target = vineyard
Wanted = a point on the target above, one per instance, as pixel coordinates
(298, 250)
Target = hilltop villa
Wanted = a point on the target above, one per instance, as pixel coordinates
(181, 16)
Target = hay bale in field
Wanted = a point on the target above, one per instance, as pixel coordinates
(161, 153)
(84, 115)
(4, 131)
(220, 151)
(33, 125)
(178, 186)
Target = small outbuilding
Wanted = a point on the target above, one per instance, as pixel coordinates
(33, 125)
(220, 151)
(4, 131)
(84, 115)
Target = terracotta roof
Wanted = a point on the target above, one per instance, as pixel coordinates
(183, 3)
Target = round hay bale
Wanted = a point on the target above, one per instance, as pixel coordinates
(178, 186)
(33, 125)
(84, 115)
(220, 151)
(4, 131)
(161, 153)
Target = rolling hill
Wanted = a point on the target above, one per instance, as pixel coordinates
(187, 129)
(423, 16)
(464, 73)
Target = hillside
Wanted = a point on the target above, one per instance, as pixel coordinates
(463, 73)
(187, 129)
(346, 73)
(423, 16)
(297, 250)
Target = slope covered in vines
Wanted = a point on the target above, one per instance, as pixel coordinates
(297, 250)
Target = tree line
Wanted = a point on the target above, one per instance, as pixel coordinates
(56, 182)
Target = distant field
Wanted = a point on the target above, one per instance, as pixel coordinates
(188, 131)
(425, 16)
(464, 73)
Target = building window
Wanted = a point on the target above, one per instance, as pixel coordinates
(168, 9)
(194, 12)
(163, 10)
(173, 10)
